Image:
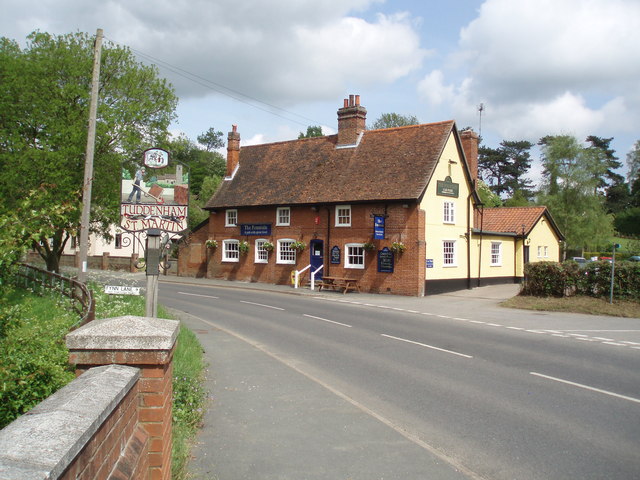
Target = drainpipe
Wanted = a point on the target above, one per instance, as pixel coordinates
(480, 251)
(469, 238)
(327, 248)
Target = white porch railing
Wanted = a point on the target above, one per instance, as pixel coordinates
(296, 282)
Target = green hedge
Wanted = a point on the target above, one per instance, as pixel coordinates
(552, 279)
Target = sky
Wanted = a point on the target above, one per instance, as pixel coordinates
(274, 67)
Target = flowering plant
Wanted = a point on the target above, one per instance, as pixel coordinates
(211, 243)
(298, 245)
(268, 246)
(243, 247)
(398, 247)
(368, 246)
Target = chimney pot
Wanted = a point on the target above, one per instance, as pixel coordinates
(351, 100)
(346, 103)
(357, 100)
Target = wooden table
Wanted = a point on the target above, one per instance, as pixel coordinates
(339, 283)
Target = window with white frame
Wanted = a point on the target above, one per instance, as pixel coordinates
(539, 251)
(546, 252)
(354, 255)
(449, 253)
(496, 253)
(231, 218)
(283, 216)
(286, 254)
(343, 215)
(448, 212)
(230, 251)
(262, 256)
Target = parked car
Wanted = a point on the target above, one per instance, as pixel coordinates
(581, 261)
(635, 258)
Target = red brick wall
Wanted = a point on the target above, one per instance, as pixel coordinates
(119, 448)
(403, 224)
(153, 402)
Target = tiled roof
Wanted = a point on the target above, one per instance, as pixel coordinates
(387, 164)
(511, 219)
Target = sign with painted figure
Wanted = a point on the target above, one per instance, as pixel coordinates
(378, 227)
(154, 194)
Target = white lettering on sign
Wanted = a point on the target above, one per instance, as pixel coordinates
(121, 290)
(139, 217)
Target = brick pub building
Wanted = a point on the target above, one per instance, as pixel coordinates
(394, 208)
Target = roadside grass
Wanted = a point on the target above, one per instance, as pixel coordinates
(577, 304)
(34, 359)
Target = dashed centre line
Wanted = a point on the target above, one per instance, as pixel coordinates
(550, 332)
(427, 346)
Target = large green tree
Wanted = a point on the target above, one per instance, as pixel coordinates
(505, 168)
(44, 101)
(390, 120)
(571, 175)
(312, 131)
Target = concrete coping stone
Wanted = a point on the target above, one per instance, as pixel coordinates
(43, 442)
(125, 333)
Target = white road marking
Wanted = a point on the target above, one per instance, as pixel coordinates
(262, 305)
(427, 346)
(586, 387)
(327, 320)
(197, 295)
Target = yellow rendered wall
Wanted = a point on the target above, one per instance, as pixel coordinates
(511, 255)
(541, 236)
(435, 229)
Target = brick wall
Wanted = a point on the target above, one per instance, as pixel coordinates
(88, 430)
(404, 223)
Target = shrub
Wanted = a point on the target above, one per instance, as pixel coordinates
(33, 355)
(552, 279)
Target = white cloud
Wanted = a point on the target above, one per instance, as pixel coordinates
(545, 67)
(281, 51)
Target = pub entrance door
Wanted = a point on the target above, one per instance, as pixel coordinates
(316, 250)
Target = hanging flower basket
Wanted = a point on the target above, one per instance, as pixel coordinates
(243, 247)
(211, 243)
(398, 247)
(268, 246)
(298, 246)
(368, 246)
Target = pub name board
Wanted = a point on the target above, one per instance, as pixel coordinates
(447, 188)
(255, 229)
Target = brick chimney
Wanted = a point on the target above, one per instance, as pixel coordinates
(233, 150)
(469, 140)
(351, 121)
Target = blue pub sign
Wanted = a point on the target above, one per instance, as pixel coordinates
(378, 227)
(255, 229)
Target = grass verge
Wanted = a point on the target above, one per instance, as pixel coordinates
(577, 304)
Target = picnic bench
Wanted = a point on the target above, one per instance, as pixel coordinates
(339, 284)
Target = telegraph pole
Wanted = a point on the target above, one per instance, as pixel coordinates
(88, 165)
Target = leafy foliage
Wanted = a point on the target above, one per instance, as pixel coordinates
(390, 120)
(504, 168)
(552, 279)
(33, 356)
(312, 131)
(33, 218)
(44, 102)
(571, 174)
